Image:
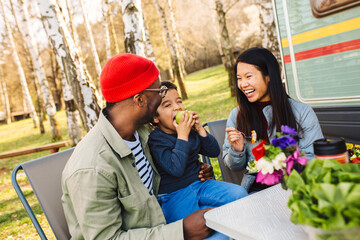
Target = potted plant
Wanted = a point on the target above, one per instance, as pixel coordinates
(326, 199)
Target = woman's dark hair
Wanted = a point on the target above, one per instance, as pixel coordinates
(282, 114)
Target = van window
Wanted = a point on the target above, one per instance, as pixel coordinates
(321, 8)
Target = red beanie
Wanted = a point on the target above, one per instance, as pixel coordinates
(125, 75)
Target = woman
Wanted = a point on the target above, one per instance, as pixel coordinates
(264, 107)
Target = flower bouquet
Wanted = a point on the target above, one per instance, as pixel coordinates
(275, 161)
(354, 154)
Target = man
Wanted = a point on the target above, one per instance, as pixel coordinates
(110, 182)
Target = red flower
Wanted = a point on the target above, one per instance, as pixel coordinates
(259, 150)
(356, 160)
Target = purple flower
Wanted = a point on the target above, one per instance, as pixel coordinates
(269, 179)
(288, 130)
(295, 158)
(283, 142)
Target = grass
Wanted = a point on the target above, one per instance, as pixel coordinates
(14, 222)
(208, 95)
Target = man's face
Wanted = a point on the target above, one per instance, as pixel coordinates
(154, 100)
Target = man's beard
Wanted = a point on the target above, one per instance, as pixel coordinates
(150, 112)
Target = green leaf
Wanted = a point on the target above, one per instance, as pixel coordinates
(294, 180)
(354, 196)
(313, 170)
(326, 190)
(349, 177)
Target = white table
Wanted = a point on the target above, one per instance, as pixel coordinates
(262, 216)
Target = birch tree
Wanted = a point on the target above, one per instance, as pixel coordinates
(5, 97)
(178, 63)
(268, 27)
(92, 42)
(72, 25)
(166, 38)
(133, 27)
(72, 114)
(85, 95)
(112, 31)
(39, 70)
(39, 103)
(226, 46)
(105, 12)
(24, 86)
(149, 51)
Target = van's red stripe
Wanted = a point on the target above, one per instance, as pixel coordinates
(326, 50)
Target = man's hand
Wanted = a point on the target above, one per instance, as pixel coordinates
(206, 172)
(194, 226)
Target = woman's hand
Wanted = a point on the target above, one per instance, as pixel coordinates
(235, 138)
(185, 124)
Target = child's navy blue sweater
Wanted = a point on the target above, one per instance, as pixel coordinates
(177, 160)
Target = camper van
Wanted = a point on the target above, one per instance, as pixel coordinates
(320, 48)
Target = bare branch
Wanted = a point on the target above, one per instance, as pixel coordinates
(231, 5)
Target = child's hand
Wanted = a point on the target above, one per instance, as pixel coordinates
(184, 127)
(198, 127)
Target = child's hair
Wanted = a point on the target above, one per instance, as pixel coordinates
(169, 85)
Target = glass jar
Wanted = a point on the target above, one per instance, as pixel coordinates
(331, 149)
(320, 234)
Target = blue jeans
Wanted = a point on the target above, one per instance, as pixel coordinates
(199, 195)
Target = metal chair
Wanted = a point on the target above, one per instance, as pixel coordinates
(217, 129)
(44, 175)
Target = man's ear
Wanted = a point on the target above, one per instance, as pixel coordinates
(139, 99)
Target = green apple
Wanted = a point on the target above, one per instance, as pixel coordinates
(178, 116)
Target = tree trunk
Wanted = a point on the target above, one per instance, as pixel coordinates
(177, 60)
(40, 72)
(85, 95)
(177, 40)
(39, 103)
(72, 114)
(72, 25)
(40, 111)
(226, 46)
(112, 31)
(5, 97)
(23, 82)
(92, 42)
(149, 51)
(166, 38)
(133, 27)
(54, 76)
(105, 12)
(268, 28)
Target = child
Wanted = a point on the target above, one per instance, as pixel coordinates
(175, 148)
